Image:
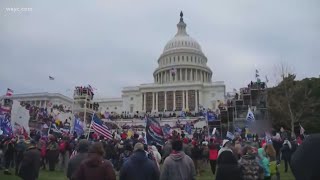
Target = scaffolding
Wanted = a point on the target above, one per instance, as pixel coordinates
(234, 115)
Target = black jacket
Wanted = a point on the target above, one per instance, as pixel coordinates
(30, 164)
(75, 163)
(139, 167)
(228, 168)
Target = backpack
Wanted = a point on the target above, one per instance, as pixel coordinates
(62, 147)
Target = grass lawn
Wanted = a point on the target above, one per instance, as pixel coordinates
(59, 175)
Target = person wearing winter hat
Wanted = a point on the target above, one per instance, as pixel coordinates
(82, 154)
(95, 167)
(139, 166)
(30, 165)
(178, 166)
(226, 146)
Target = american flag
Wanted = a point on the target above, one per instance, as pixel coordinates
(51, 78)
(9, 92)
(100, 128)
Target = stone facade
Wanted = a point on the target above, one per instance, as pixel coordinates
(182, 82)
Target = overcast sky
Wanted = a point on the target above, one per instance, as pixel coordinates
(113, 44)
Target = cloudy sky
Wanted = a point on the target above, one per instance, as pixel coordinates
(113, 44)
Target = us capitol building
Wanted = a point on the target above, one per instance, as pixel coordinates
(182, 82)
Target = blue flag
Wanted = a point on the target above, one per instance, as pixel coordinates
(211, 116)
(188, 128)
(5, 124)
(78, 127)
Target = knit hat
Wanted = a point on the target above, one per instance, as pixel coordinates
(138, 146)
(83, 145)
(224, 142)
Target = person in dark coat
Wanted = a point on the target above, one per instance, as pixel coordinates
(19, 149)
(9, 155)
(228, 168)
(52, 152)
(305, 160)
(75, 162)
(139, 166)
(30, 165)
(95, 167)
(286, 154)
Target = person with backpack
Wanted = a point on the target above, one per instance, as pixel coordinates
(64, 153)
(196, 155)
(95, 167)
(19, 149)
(213, 155)
(52, 152)
(139, 166)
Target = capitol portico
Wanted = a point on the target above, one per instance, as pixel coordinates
(182, 81)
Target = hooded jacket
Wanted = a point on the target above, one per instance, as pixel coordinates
(95, 168)
(139, 167)
(178, 166)
(264, 162)
(30, 165)
(250, 168)
(228, 168)
(305, 160)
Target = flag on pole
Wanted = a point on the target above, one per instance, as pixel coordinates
(166, 131)
(55, 129)
(173, 71)
(9, 92)
(78, 127)
(230, 135)
(100, 128)
(211, 116)
(51, 78)
(301, 130)
(91, 88)
(154, 132)
(250, 116)
(5, 125)
(4, 110)
(188, 128)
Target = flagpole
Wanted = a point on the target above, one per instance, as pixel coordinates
(90, 126)
(49, 128)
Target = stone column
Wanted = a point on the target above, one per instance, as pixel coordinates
(174, 100)
(165, 100)
(183, 100)
(152, 101)
(196, 101)
(156, 101)
(40, 104)
(187, 99)
(180, 74)
(145, 101)
(196, 74)
(45, 103)
(200, 99)
(186, 74)
(191, 75)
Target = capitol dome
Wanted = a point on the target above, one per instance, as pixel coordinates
(182, 60)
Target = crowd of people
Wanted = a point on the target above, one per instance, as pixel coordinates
(180, 158)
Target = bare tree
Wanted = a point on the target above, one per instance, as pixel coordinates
(291, 92)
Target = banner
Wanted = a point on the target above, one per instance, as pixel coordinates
(154, 132)
(20, 118)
